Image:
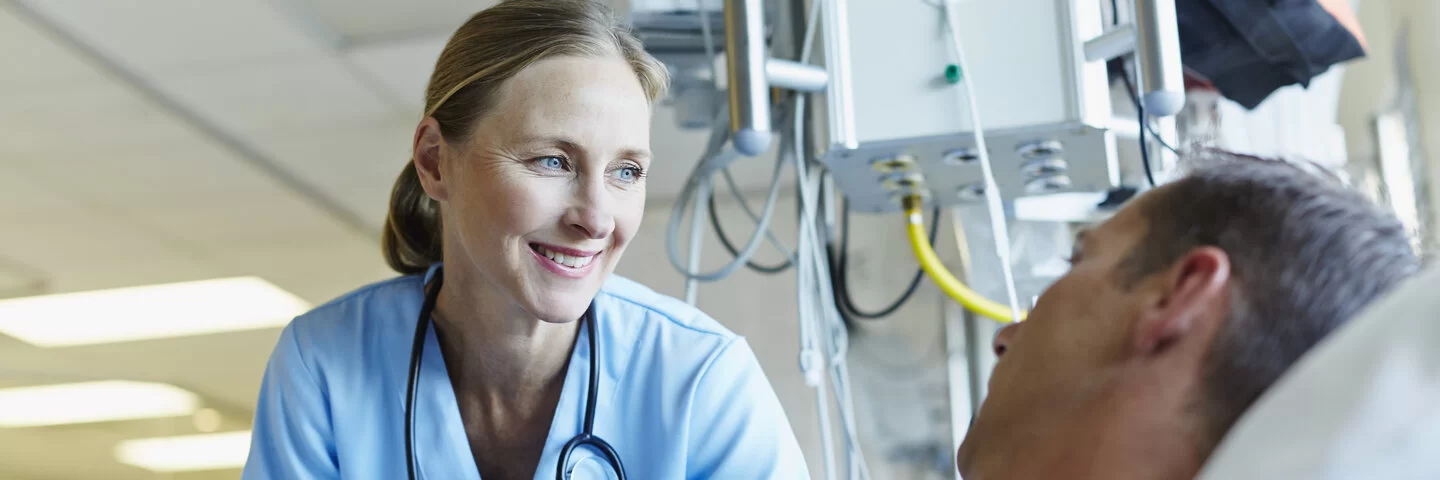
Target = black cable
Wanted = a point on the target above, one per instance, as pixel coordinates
(734, 252)
(1144, 145)
(839, 270)
(1118, 65)
(1130, 88)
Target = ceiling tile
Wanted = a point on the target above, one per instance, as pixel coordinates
(100, 251)
(25, 199)
(403, 67)
(356, 166)
(167, 34)
(316, 270)
(370, 199)
(330, 155)
(63, 453)
(291, 94)
(86, 118)
(257, 221)
(365, 21)
(186, 171)
(33, 60)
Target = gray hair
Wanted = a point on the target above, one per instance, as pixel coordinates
(1307, 254)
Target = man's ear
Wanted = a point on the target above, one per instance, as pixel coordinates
(427, 157)
(1193, 290)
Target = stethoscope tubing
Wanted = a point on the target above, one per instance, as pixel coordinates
(586, 436)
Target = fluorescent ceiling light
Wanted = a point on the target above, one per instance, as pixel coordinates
(88, 402)
(211, 451)
(145, 312)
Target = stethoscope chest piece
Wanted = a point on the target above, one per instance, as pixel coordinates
(589, 466)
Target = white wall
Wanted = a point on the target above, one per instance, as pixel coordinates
(1371, 84)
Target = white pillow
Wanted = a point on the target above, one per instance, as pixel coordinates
(1363, 404)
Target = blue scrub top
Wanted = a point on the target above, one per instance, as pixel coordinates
(680, 396)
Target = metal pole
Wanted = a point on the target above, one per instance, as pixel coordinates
(1157, 49)
(745, 55)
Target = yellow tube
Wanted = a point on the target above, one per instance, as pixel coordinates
(925, 254)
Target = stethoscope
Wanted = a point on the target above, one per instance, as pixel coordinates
(586, 436)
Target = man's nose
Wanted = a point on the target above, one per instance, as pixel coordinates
(1003, 338)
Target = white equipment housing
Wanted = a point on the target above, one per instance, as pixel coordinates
(897, 125)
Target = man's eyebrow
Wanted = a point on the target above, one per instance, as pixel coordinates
(1080, 236)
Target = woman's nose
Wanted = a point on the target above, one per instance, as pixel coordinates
(590, 222)
(589, 215)
(1003, 338)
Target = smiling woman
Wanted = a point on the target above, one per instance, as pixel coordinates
(527, 183)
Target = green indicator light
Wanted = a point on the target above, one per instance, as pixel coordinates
(952, 73)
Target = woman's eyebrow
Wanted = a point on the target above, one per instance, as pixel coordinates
(634, 153)
(570, 145)
(562, 142)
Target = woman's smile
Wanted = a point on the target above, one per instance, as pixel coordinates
(566, 262)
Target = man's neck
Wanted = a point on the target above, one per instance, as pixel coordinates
(1145, 442)
(1129, 431)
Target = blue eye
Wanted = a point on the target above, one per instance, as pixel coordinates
(552, 162)
(630, 174)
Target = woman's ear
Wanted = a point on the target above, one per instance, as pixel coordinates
(428, 157)
(1195, 290)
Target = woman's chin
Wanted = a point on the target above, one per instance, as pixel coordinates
(557, 302)
(565, 309)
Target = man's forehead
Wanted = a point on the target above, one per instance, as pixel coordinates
(1128, 222)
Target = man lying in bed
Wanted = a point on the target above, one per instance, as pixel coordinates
(1179, 312)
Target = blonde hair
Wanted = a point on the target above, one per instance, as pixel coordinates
(490, 48)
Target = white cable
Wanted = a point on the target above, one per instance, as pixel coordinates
(745, 206)
(819, 295)
(817, 266)
(697, 227)
(691, 284)
(704, 169)
(812, 362)
(709, 40)
(701, 174)
(992, 190)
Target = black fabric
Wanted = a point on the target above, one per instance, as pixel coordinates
(1248, 49)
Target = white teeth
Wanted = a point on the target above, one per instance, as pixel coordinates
(566, 260)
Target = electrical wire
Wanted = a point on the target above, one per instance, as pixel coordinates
(688, 196)
(692, 286)
(1144, 121)
(730, 247)
(839, 271)
(816, 292)
(992, 190)
(819, 294)
(1135, 99)
(745, 207)
(823, 337)
(1144, 142)
(702, 172)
